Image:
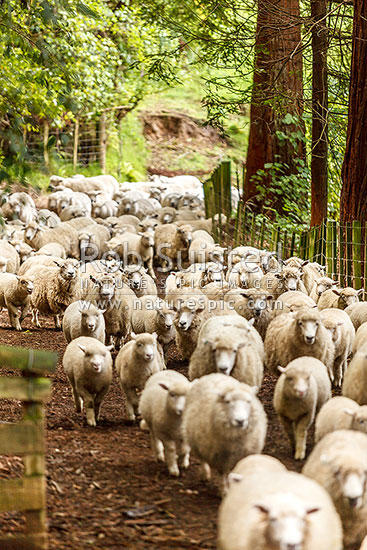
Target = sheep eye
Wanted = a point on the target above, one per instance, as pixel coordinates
(290, 378)
(140, 345)
(317, 323)
(299, 323)
(173, 394)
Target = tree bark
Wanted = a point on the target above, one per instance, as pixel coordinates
(353, 200)
(319, 166)
(277, 90)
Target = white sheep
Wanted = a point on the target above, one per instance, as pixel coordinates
(135, 363)
(338, 298)
(83, 319)
(172, 244)
(355, 377)
(52, 249)
(88, 366)
(54, 289)
(134, 249)
(13, 260)
(223, 422)
(15, 292)
(290, 278)
(253, 304)
(270, 508)
(151, 314)
(64, 234)
(231, 346)
(340, 413)
(360, 337)
(342, 332)
(22, 205)
(321, 285)
(357, 313)
(47, 218)
(300, 392)
(161, 407)
(296, 334)
(292, 300)
(311, 272)
(139, 281)
(202, 251)
(338, 463)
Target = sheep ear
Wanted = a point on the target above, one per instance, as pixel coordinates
(324, 459)
(155, 335)
(278, 276)
(133, 336)
(233, 477)
(83, 348)
(262, 508)
(251, 321)
(270, 297)
(336, 291)
(59, 264)
(102, 311)
(254, 390)
(93, 279)
(336, 283)
(312, 510)
(349, 412)
(164, 386)
(245, 293)
(305, 263)
(281, 369)
(339, 323)
(360, 291)
(111, 347)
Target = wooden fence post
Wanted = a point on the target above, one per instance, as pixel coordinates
(349, 269)
(46, 135)
(76, 143)
(102, 142)
(357, 254)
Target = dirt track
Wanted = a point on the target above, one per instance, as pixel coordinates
(97, 475)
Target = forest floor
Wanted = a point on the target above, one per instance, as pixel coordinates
(105, 491)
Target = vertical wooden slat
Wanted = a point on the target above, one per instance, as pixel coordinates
(46, 135)
(293, 244)
(76, 143)
(349, 270)
(103, 142)
(341, 255)
(331, 251)
(357, 254)
(311, 252)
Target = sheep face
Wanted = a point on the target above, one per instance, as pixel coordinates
(106, 286)
(31, 231)
(334, 328)
(145, 346)
(63, 203)
(135, 279)
(68, 270)
(359, 418)
(285, 521)
(297, 381)
(147, 239)
(90, 318)
(214, 274)
(290, 278)
(351, 482)
(257, 301)
(323, 284)
(308, 323)
(185, 234)
(347, 296)
(126, 206)
(148, 225)
(25, 285)
(176, 397)
(224, 358)
(165, 318)
(167, 218)
(236, 407)
(93, 360)
(187, 311)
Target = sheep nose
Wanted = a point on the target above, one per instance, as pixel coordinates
(310, 339)
(148, 356)
(257, 312)
(223, 370)
(179, 412)
(168, 326)
(301, 393)
(182, 324)
(240, 422)
(292, 546)
(353, 502)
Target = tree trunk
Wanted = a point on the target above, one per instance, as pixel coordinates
(319, 167)
(277, 90)
(353, 200)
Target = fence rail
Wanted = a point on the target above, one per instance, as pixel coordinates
(26, 439)
(341, 248)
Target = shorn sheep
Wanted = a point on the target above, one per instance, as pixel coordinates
(161, 407)
(340, 413)
(338, 463)
(88, 366)
(223, 422)
(300, 392)
(135, 363)
(270, 508)
(296, 334)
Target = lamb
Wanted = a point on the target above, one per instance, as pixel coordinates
(360, 338)
(135, 249)
(152, 314)
(92, 242)
(161, 406)
(38, 260)
(135, 363)
(105, 208)
(63, 234)
(172, 244)
(296, 334)
(231, 346)
(83, 319)
(47, 218)
(338, 298)
(167, 214)
(223, 422)
(72, 212)
(320, 286)
(288, 279)
(300, 392)
(22, 205)
(139, 281)
(282, 510)
(355, 377)
(192, 311)
(88, 366)
(342, 332)
(15, 292)
(13, 260)
(339, 464)
(253, 304)
(340, 413)
(292, 301)
(357, 313)
(54, 289)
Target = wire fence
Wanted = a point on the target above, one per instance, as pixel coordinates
(341, 248)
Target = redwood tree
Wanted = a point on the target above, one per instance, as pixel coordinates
(277, 90)
(319, 167)
(353, 202)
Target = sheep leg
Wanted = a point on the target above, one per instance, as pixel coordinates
(131, 403)
(13, 316)
(157, 447)
(88, 404)
(288, 428)
(339, 368)
(150, 268)
(24, 311)
(97, 402)
(77, 400)
(170, 455)
(35, 320)
(57, 322)
(205, 471)
(301, 435)
(183, 455)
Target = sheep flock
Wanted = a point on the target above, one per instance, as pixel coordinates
(128, 271)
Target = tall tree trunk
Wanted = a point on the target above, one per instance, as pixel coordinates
(277, 90)
(353, 200)
(319, 168)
